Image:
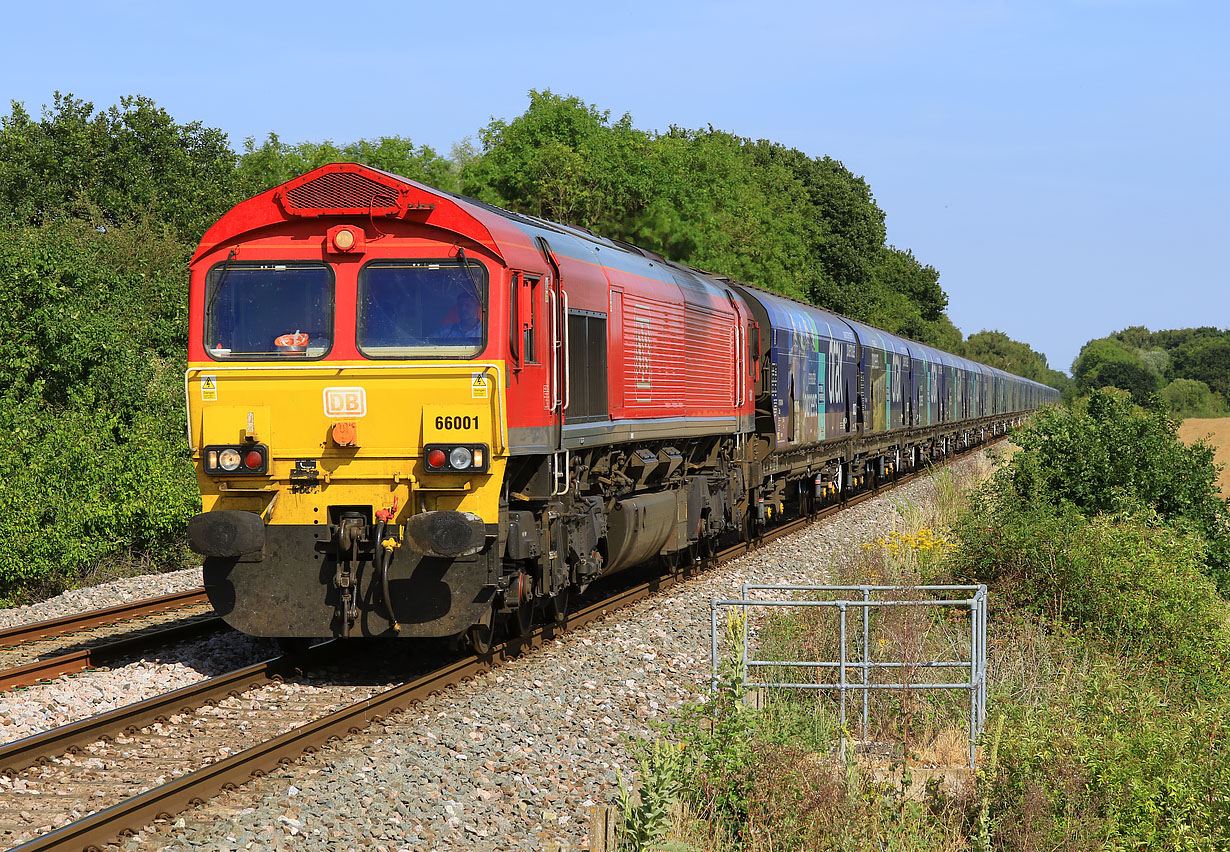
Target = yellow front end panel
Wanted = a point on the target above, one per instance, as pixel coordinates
(364, 426)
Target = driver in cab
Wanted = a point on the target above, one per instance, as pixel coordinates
(469, 325)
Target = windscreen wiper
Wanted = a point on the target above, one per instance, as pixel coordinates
(478, 296)
(213, 297)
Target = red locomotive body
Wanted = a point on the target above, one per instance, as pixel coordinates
(607, 392)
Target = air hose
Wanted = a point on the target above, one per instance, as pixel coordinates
(387, 547)
(384, 558)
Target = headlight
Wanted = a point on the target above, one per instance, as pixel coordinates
(248, 459)
(454, 458)
(228, 459)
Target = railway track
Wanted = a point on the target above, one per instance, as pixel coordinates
(221, 733)
(99, 618)
(36, 653)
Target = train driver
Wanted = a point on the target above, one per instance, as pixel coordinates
(469, 325)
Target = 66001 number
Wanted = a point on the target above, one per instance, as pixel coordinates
(461, 421)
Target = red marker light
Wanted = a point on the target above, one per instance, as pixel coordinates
(253, 460)
(437, 458)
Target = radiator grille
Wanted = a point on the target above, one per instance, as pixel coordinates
(342, 191)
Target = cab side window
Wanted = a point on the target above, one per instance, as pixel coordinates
(532, 288)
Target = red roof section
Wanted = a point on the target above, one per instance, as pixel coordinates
(353, 190)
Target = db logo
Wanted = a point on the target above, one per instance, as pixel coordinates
(345, 402)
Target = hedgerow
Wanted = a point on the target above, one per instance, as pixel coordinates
(93, 456)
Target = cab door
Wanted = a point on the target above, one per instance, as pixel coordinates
(556, 392)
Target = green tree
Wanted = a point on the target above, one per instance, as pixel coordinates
(562, 160)
(1205, 359)
(130, 163)
(754, 211)
(843, 227)
(1109, 363)
(1190, 398)
(1145, 362)
(904, 296)
(997, 349)
(714, 206)
(1156, 360)
(275, 162)
(1135, 337)
(1171, 339)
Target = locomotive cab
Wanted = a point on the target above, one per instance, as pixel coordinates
(346, 410)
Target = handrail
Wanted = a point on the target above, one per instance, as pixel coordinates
(740, 353)
(555, 394)
(567, 355)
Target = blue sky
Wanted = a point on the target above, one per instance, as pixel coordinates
(1063, 163)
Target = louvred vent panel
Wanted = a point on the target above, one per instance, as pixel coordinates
(342, 193)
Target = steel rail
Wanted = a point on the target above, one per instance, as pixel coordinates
(98, 617)
(72, 662)
(105, 826)
(38, 748)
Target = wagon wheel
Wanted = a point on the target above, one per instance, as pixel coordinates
(679, 561)
(705, 550)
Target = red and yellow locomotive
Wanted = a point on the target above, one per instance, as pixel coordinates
(408, 409)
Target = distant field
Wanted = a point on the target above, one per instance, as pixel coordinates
(1219, 430)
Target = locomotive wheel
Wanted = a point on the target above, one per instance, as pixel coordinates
(556, 607)
(479, 638)
(521, 620)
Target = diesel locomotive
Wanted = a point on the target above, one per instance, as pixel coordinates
(415, 414)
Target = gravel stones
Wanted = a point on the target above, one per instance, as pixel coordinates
(110, 594)
(67, 699)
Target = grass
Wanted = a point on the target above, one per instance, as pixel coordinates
(771, 774)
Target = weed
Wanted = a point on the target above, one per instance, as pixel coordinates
(647, 813)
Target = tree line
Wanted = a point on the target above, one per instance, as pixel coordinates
(100, 210)
(1187, 368)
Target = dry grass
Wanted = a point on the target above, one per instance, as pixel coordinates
(1216, 431)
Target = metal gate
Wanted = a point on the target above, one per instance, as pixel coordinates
(854, 672)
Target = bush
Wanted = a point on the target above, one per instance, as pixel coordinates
(1114, 458)
(1136, 587)
(1109, 644)
(770, 780)
(81, 486)
(1190, 398)
(93, 457)
(1110, 761)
